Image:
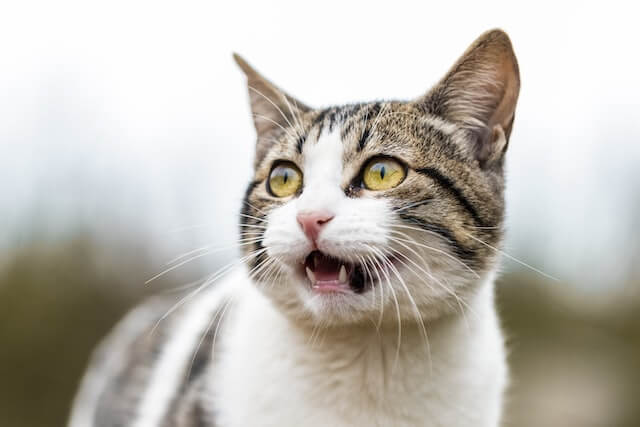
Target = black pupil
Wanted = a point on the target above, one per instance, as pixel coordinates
(285, 176)
(382, 171)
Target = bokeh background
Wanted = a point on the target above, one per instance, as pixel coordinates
(126, 140)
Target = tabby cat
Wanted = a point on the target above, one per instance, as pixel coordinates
(364, 296)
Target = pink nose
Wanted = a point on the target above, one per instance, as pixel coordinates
(312, 223)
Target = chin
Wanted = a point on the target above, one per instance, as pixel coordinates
(326, 290)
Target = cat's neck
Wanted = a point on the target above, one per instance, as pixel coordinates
(361, 366)
(410, 336)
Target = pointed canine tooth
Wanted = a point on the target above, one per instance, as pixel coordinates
(311, 276)
(342, 277)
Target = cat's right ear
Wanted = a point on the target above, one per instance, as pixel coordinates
(271, 107)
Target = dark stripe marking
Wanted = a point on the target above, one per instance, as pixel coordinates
(247, 210)
(350, 119)
(445, 233)
(332, 119)
(413, 205)
(319, 120)
(371, 114)
(346, 129)
(301, 139)
(363, 138)
(447, 184)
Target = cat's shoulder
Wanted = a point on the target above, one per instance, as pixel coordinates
(157, 352)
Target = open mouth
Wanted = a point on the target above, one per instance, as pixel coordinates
(332, 275)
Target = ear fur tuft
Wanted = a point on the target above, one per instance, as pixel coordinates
(480, 93)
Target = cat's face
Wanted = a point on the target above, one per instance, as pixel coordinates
(381, 211)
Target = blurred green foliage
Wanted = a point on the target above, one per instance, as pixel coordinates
(54, 308)
(575, 359)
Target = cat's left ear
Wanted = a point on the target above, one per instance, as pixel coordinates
(271, 107)
(479, 94)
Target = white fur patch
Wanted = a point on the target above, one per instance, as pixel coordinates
(275, 373)
(271, 373)
(108, 359)
(172, 365)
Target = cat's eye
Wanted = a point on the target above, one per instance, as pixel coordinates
(285, 179)
(383, 173)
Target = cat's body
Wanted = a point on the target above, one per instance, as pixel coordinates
(311, 380)
(352, 377)
(366, 294)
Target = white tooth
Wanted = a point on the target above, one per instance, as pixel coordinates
(342, 277)
(311, 276)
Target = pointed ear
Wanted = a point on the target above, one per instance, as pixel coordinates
(271, 107)
(480, 93)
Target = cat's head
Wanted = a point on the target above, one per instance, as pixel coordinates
(383, 210)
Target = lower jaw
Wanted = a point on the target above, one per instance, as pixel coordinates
(332, 287)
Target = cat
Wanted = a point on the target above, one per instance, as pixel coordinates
(364, 296)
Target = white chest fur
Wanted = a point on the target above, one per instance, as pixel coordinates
(273, 373)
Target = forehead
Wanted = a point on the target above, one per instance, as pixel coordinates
(350, 134)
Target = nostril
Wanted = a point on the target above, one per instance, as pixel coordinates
(322, 221)
(312, 222)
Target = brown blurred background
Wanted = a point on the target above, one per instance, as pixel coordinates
(575, 359)
(126, 140)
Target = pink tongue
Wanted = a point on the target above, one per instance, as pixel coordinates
(327, 270)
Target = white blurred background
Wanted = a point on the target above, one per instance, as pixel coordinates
(129, 121)
(134, 114)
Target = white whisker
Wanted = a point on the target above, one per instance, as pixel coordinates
(212, 248)
(285, 130)
(416, 310)
(193, 258)
(428, 273)
(272, 103)
(548, 276)
(245, 225)
(254, 217)
(422, 245)
(397, 306)
(212, 278)
(254, 207)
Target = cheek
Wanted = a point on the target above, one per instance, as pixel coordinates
(283, 236)
(360, 227)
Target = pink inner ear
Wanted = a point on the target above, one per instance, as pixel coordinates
(489, 151)
(507, 74)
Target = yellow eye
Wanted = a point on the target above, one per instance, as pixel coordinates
(382, 174)
(285, 179)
